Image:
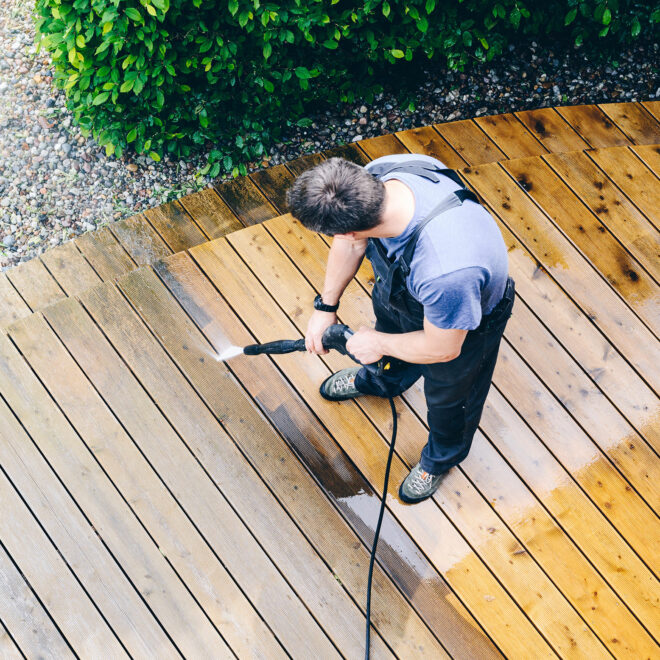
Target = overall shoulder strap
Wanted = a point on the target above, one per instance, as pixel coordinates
(451, 201)
(421, 168)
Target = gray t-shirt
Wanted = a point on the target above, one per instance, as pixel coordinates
(460, 266)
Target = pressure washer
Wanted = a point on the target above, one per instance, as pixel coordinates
(335, 338)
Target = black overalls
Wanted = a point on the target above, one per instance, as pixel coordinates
(455, 390)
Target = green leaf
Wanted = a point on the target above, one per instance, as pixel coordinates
(154, 156)
(151, 10)
(133, 14)
(570, 17)
(331, 44)
(127, 86)
(430, 6)
(268, 49)
(303, 73)
(422, 25)
(80, 41)
(604, 31)
(268, 86)
(386, 9)
(636, 27)
(73, 57)
(607, 16)
(397, 53)
(233, 7)
(132, 135)
(100, 98)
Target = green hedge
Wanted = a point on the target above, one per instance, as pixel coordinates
(170, 75)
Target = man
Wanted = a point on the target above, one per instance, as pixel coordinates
(441, 296)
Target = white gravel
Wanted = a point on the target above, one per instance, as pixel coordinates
(56, 184)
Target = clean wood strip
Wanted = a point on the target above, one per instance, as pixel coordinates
(426, 140)
(510, 135)
(35, 284)
(632, 177)
(245, 200)
(555, 254)
(273, 183)
(76, 540)
(350, 152)
(128, 541)
(261, 514)
(140, 240)
(383, 145)
(194, 528)
(639, 126)
(175, 226)
(552, 130)
(425, 522)
(50, 578)
(105, 254)
(9, 650)
(593, 126)
(22, 612)
(653, 108)
(12, 306)
(588, 231)
(70, 268)
(299, 244)
(470, 142)
(210, 213)
(613, 209)
(411, 571)
(650, 156)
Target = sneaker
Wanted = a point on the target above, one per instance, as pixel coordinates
(340, 386)
(418, 485)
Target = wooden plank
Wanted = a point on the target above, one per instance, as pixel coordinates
(210, 213)
(348, 151)
(593, 125)
(589, 233)
(70, 268)
(273, 183)
(245, 200)
(48, 575)
(353, 312)
(639, 126)
(22, 613)
(281, 549)
(286, 411)
(552, 130)
(554, 365)
(631, 176)
(650, 156)
(383, 145)
(456, 560)
(620, 216)
(140, 240)
(569, 269)
(77, 542)
(122, 533)
(470, 142)
(35, 284)
(426, 140)
(8, 648)
(12, 306)
(510, 135)
(653, 108)
(299, 165)
(105, 254)
(175, 226)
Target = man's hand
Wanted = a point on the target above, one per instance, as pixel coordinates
(318, 322)
(365, 345)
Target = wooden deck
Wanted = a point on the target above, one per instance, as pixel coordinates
(158, 503)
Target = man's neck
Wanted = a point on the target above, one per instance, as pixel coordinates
(399, 209)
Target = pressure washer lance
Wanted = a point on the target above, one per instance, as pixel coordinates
(335, 338)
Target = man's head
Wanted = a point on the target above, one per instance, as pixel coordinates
(337, 197)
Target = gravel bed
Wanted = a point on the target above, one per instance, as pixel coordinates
(56, 184)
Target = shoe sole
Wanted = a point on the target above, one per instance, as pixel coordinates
(410, 500)
(329, 397)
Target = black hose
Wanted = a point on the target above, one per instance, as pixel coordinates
(377, 532)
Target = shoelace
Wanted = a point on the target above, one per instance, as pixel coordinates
(421, 481)
(343, 383)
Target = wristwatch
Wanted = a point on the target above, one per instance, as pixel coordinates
(322, 307)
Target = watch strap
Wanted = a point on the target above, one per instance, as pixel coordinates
(321, 306)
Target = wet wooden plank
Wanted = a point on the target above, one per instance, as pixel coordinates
(22, 613)
(552, 130)
(638, 125)
(589, 231)
(510, 135)
(350, 152)
(12, 306)
(140, 240)
(51, 579)
(650, 155)
(70, 268)
(75, 539)
(426, 140)
(246, 201)
(593, 126)
(299, 165)
(105, 254)
(273, 183)
(210, 213)
(258, 544)
(456, 560)
(122, 532)
(175, 226)
(282, 406)
(470, 142)
(383, 145)
(35, 284)
(300, 245)
(613, 209)
(557, 257)
(631, 176)
(653, 108)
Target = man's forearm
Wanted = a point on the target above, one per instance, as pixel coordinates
(412, 347)
(344, 261)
